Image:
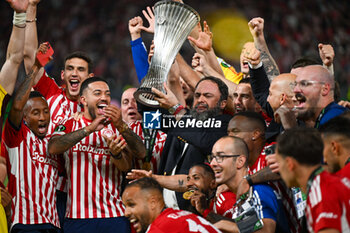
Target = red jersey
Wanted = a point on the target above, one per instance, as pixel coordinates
(181, 221)
(344, 172)
(327, 204)
(61, 108)
(282, 190)
(94, 182)
(223, 204)
(157, 148)
(33, 175)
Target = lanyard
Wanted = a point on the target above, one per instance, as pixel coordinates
(317, 124)
(315, 173)
(149, 142)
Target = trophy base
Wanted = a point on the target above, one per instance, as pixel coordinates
(145, 96)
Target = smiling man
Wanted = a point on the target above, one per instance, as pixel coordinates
(95, 156)
(146, 210)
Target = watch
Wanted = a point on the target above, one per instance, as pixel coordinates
(173, 108)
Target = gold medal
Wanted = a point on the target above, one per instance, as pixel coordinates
(146, 166)
(187, 195)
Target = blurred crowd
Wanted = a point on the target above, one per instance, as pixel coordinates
(292, 29)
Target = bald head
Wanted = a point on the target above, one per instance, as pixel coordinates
(233, 144)
(281, 91)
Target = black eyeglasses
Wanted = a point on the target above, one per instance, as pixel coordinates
(219, 158)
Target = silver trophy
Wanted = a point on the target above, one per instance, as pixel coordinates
(173, 23)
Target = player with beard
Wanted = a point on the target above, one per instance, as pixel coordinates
(186, 146)
(313, 89)
(199, 187)
(146, 210)
(95, 156)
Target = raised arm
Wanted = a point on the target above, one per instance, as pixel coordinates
(14, 55)
(22, 94)
(31, 35)
(256, 27)
(327, 54)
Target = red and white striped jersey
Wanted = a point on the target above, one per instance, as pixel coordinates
(94, 183)
(327, 203)
(285, 193)
(33, 175)
(61, 108)
(157, 149)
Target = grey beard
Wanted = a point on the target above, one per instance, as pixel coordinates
(202, 116)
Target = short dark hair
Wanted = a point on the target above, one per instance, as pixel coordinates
(146, 183)
(87, 81)
(34, 94)
(253, 117)
(337, 126)
(244, 80)
(207, 169)
(221, 85)
(303, 144)
(81, 55)
(305, 61)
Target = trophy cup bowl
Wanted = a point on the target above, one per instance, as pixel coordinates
(173, 23)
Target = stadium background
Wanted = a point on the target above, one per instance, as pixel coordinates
(100, 27)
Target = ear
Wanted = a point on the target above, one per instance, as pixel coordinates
(291, 162)
(283, 98)
(335, 147)
(62, 74)
(91, 75)
(325, 89)
(223, 104)
(152, 202)
(241, 160)
(83, 100)
(212, 184)
(257, 134)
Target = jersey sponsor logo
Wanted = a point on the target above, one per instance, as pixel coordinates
(179, 214)
(326, 215)
(60, 128)
(90, 149)
(49, 159)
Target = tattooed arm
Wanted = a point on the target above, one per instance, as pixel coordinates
(256, 27)
(174, 182)
(22, 95)
(60, 143)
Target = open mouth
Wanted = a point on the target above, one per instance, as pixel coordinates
(101, 107)
(42, 128)
(74, 83)
(134, 222)
(301, 100)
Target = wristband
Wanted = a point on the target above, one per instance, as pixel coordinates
(249, 180)
(118, 156)
(19, 19)
(178, 109)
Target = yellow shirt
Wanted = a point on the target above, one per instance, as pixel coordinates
(230, 72)
(3, 221)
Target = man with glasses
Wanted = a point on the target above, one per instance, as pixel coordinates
(313, 89)
(229, 161)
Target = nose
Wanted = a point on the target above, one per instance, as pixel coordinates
(237, 100)
(189, 183)
(127, 212)
(213, 163)
(42, 116)
(296, 89)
